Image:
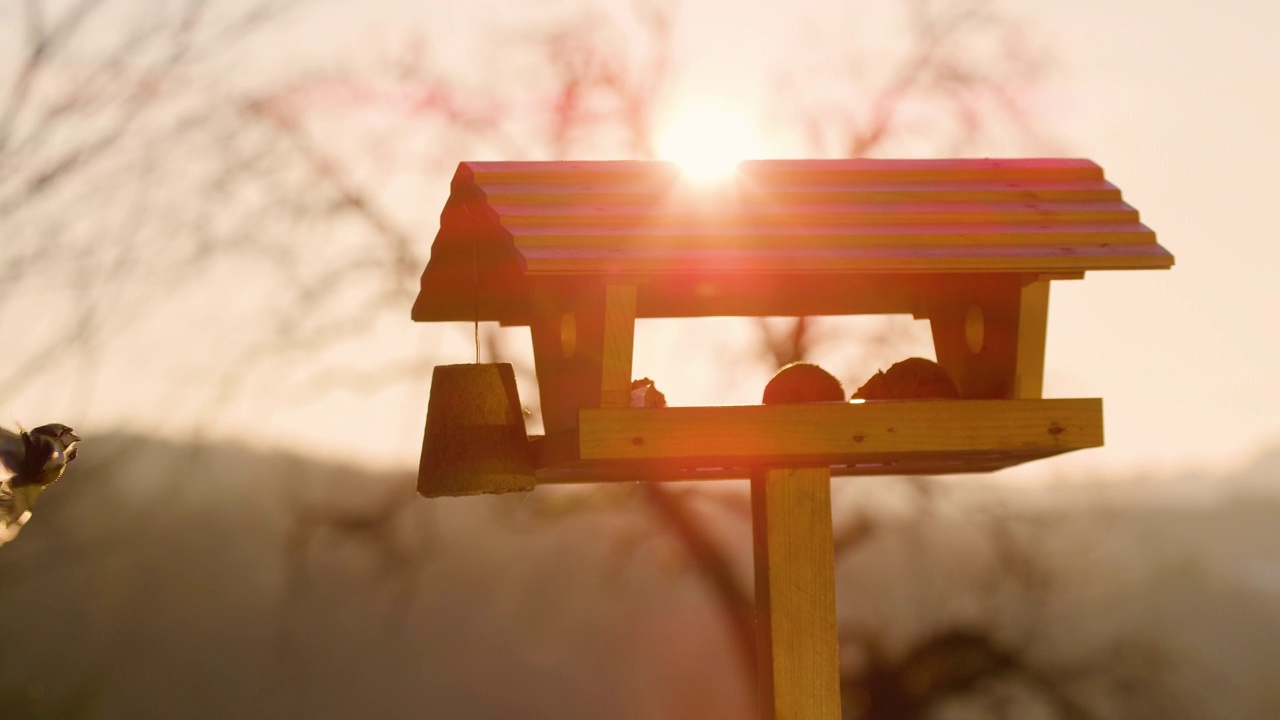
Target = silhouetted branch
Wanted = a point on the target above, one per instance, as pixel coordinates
(732, 593)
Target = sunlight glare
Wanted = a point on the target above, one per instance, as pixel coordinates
(708, 141)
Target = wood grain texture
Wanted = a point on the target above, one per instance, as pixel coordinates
(826, 433)
(798, 660)
(787, 171)
(753, 294)
(836, 260)
(1033, 327)
(559, 467)
(569, 372)
(802, 232)
(642, 222)
(1010, 362)
(918, 170)
(619, 339)
(648, 193)
(747, 214)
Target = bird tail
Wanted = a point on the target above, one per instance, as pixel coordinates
(15, 509)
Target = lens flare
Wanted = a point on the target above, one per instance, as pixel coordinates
(708, 141)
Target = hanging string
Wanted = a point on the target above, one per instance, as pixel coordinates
(475, 291)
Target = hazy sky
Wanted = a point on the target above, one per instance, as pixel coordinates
(1176, 100)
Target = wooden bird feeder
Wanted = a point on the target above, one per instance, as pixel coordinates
(578, 250)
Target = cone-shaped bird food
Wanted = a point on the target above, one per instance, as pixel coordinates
(475, 440)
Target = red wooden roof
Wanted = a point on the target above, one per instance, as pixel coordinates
(510, 224)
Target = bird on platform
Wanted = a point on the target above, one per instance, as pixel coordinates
(911, 379)
(29, 463)
(802, 382)
(645, 394)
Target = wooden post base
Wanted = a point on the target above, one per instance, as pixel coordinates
(798, 659)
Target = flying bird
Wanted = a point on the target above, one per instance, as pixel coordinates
(29, 463)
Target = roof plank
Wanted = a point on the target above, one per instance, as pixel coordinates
(666, 191)
(881, 213)
(643, 220)
(973, 258)
(905, 238)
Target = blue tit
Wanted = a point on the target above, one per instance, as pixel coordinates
(29, 463)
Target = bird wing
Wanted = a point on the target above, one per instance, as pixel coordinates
(12, 450)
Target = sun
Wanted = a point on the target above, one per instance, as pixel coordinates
(708, 140)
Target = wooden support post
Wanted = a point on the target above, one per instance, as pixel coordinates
(990, 334)
(1033, 325)
(798, 660)
(582, 346)
(619, 341)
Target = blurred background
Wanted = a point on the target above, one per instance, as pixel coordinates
(213, 218)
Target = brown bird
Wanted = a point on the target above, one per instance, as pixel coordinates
(911, 379)
(645, 394)
(29, 463)
(802, 382)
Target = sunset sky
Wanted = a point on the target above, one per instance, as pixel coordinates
(1177, 101)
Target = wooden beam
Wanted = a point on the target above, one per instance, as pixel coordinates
(775, 172)
(553, 471)
(798, 660)
(891, 258)
(567, 327)
(720, 294)
(992, 238)
(774, 216)
(504, 197)
(990, 336)
(830, 433)
(1033, 321)
(583, 334)
(619, 340)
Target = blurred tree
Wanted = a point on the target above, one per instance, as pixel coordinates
(963, 67)
(87, 115)
(168, 127)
